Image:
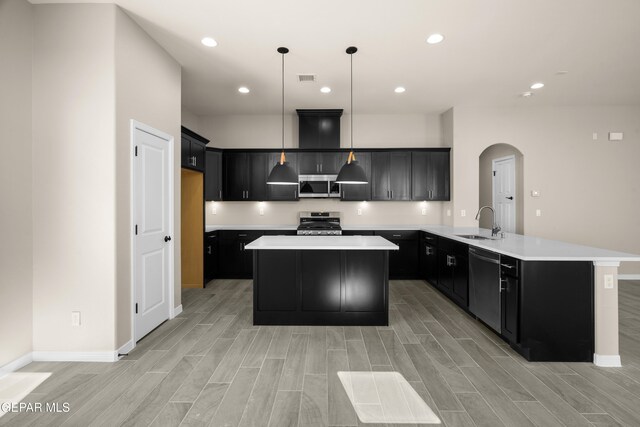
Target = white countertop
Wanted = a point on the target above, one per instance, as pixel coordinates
(529, 248)
(526, 248)
(341, 243)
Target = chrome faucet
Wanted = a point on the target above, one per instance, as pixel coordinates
(495, 228)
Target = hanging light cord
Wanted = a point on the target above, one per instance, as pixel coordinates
(351, 155)
(282, 158)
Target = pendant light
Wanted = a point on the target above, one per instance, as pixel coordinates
(282, 173)
(352, 172)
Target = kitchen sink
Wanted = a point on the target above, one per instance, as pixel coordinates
(474, 237)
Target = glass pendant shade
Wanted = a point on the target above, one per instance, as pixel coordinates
(282, 174)
(352, 172)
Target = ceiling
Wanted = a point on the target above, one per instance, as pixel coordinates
(492, 52)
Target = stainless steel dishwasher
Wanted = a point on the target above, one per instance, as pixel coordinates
(484, 286)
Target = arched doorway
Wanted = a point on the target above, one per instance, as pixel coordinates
(501, 186)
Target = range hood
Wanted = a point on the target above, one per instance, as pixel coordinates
(319, 129)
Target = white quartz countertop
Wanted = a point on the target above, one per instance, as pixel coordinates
(526, 248)
(529, 248)
(340, 243)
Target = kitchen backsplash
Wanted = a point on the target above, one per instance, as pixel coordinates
(284, 213)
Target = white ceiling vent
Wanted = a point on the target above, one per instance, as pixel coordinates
(307, 78)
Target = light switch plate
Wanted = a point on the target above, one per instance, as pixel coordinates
(424, 211)
(616, 136)
(448, 212)
(538, 212)
(359, 211)
(535, 193)
(608, 281)
(75, 318)
(463, 212)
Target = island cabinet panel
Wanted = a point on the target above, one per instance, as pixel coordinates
(556, 311)
(281, 294)
(365, 281)
(320, 280)
(321, 287)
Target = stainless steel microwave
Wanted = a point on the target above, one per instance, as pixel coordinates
(319, 186)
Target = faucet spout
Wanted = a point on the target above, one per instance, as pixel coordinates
(495, 228)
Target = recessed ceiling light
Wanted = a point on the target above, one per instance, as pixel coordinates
(435, 38)
(325, 89)
(526, 94)
(209, 42)
(537, 86)
(243, 89)
(399, 89)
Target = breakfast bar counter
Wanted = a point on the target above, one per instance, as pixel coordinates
(321, 280)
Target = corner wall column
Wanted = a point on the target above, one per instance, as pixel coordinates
(607, 350)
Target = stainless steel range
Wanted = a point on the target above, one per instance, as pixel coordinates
(319, 224)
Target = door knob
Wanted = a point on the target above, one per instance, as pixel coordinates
(167, 238)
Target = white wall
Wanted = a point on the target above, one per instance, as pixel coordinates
(148, 89)
(370, 131)
(16, 277)
(190, 120)
(74, 177)
(590, 190)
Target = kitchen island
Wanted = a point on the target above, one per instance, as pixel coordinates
(321, 280)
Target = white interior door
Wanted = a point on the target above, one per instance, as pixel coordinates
(152, 216)
(504, 192)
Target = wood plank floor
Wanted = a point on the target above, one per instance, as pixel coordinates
(211, 367)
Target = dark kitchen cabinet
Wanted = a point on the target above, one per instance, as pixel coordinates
(391, 175)
(236, 262)
(429, 258)
(358, 192)
(403, 263)
(430, 175)
(282, 192)
(210, 256)
(193, 150)
(213, 176)
(509, 297)
(324, 163)
(319, 129)
(453, 270)
(245, 176)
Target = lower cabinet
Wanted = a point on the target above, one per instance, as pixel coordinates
(403, 263)
(210, 256)
(453, 270)
(429, 258)
(236, 262)
(509, 298)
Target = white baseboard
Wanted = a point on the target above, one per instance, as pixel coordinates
(14, 365)
(75, 356)
(628, 276)
(175, 311)
(607, 361)
(127, 347)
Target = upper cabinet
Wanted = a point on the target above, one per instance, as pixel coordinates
(319, 129)
(324, 163)
(193, 150)
(213, 176)
(391, 175)
(430, 176)
(245, 176)
(358, 192)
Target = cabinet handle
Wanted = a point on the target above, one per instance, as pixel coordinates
(397, 235)
(392, 194)
(220, 195)
(209, 250)
(429, 250)
(242, 235)
(195, 161)
(388, 194)
(451, 261)
(320, 167)
(295, 194)
(510, 267)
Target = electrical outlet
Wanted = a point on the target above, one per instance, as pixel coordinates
(595, 136)
(424, 211)
(214, 211)
(448, 212)
(75, 318)
(538, 212)
(463, 212)
(535, 193)
(359, 211)
(608, 281)
(261, 211)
